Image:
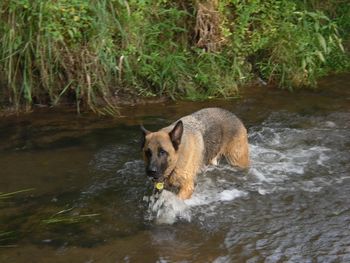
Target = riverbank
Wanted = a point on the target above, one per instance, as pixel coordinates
(98, 55)
(66, 118)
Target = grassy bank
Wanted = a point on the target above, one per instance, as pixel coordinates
(97, 53)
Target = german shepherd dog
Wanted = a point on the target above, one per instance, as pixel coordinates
(175, 154)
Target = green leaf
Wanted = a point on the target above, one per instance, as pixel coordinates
(320, 56)
(322, 42)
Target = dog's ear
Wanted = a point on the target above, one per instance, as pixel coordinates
(144, 133)
(176, 134)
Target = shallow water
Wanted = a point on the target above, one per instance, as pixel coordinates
(291, 206)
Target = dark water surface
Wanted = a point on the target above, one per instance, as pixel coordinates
(86, 186)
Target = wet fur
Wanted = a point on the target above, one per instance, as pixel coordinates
(194, 141)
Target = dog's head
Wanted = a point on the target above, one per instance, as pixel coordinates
(160, 151)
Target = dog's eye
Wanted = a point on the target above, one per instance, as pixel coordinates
(162, 152)
(148, 153)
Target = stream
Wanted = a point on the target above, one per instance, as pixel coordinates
(86, 192)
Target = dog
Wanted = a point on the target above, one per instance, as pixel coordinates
(174, 155)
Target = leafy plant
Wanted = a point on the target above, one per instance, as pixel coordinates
(288, 45)
(94, 53)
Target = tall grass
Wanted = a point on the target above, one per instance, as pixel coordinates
(96, 53)
(286, 45)
(58, 51)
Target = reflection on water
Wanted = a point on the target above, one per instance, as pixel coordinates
(291, 206)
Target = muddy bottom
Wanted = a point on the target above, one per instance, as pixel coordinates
(86, 198)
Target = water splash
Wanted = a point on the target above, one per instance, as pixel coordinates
(286, 156)
(289, 153)
(166, 208)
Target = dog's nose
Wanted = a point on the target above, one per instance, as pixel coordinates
(152, 172)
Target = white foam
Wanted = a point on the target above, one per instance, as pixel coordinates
(229, 195)
(264, 191)
(166, 208)
(222, 259)
(310, 186)
(330, 124)
(212, 196)
(259, 175)
(271, 166)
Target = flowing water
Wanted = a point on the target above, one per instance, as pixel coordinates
(88, 199)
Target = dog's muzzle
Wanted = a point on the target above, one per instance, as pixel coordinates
(153, 172)
(154, 176)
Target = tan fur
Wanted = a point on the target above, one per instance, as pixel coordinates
(184, 164)
(237, 151)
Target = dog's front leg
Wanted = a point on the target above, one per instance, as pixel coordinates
(186, 191)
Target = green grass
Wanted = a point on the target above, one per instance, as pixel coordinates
(7, 237)
(19, 224)
(64, 218)
(93, 54)
(5, 196)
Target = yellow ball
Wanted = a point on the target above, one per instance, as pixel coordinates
(159, 185)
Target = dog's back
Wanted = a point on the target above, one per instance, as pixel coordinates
(215, 129)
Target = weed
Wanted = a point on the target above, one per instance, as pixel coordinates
(92, 53)
(4, 196)
(63, 218)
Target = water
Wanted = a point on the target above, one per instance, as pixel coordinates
(292, 205)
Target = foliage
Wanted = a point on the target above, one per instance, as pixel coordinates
(5, 196)
(51, 50)
(286, 45)
(96, 52)
(64, 218)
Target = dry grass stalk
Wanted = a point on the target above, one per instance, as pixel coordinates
(207, 29)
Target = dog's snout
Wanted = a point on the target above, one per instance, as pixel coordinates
(152, 171)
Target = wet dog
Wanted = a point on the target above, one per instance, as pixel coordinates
(175, 154)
